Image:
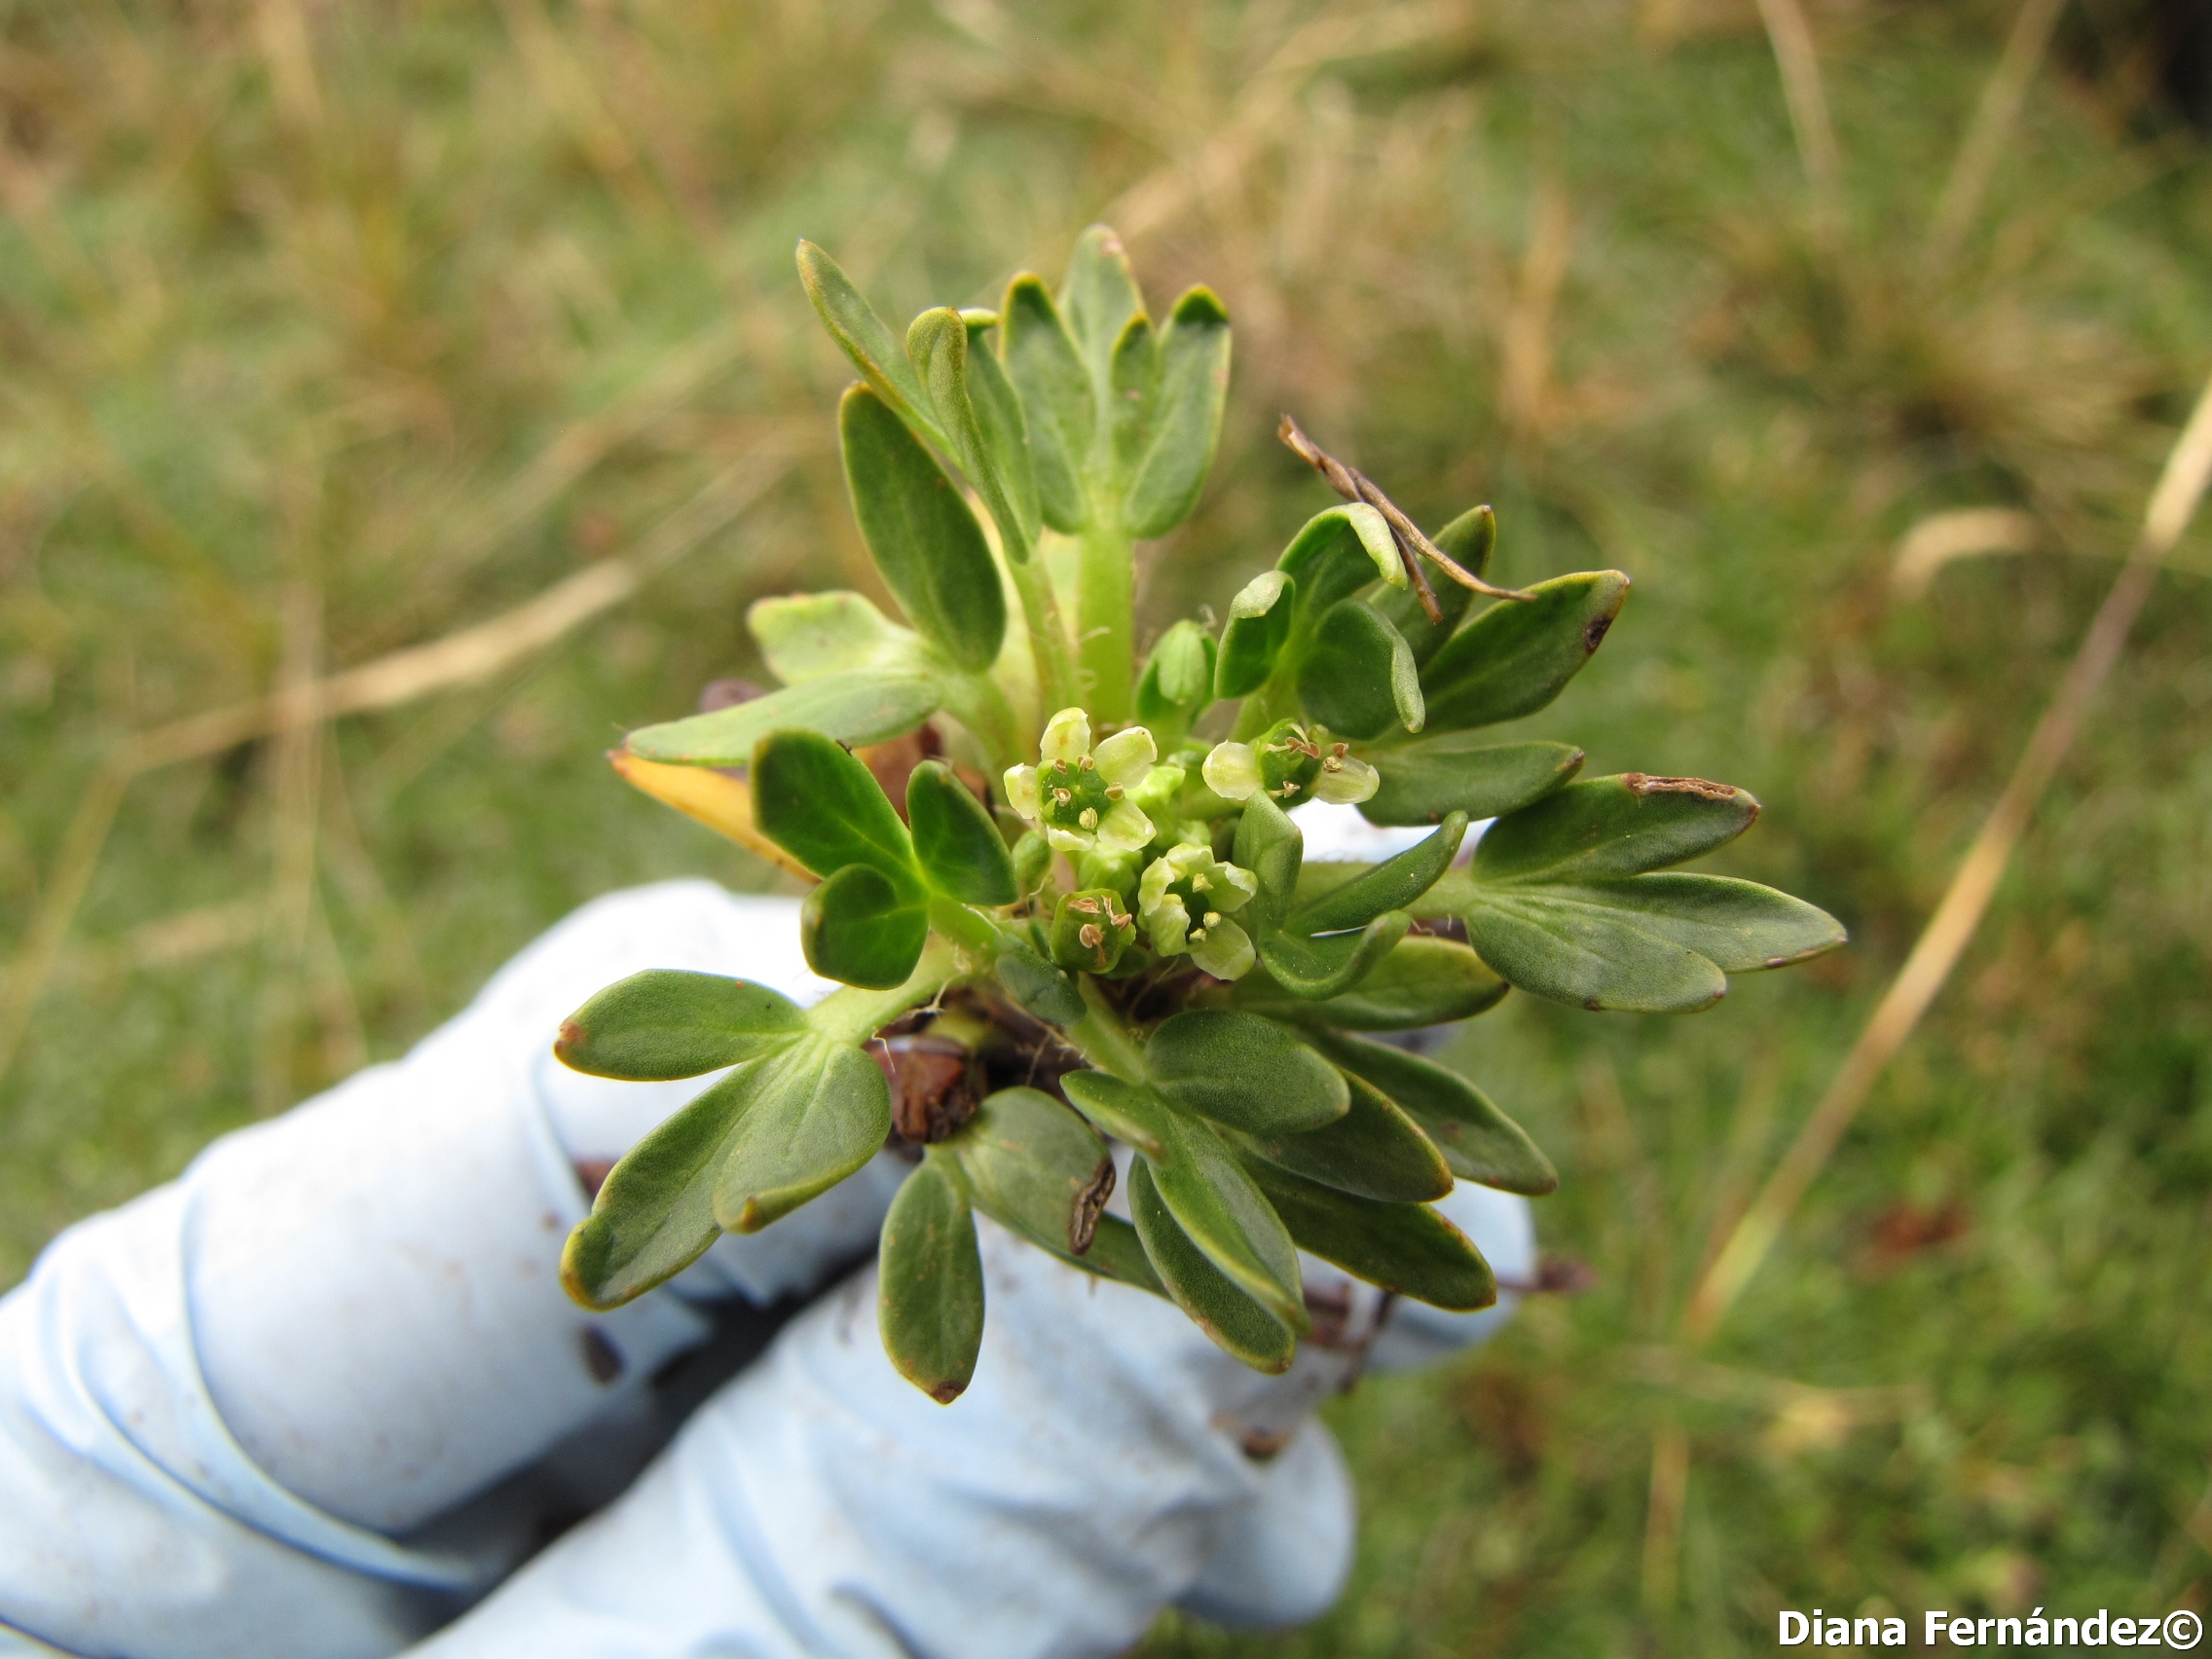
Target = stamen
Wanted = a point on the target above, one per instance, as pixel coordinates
(1090, 935)
(1087, 764)
(1334, 763)
(1063, 796)
(1114, 792)
(1087, 818)
(1213, 918)
(1088, 906)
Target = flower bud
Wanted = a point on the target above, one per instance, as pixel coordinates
(1090, 930)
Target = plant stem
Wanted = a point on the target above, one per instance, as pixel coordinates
(1105, 1039)
(1106, 615)
(854, 1015)
(1057, 686)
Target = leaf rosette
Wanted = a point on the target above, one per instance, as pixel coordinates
(1081, 920)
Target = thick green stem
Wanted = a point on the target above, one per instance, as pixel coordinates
(1106, 615)
(1057, 686)
(1105, 1039)
(854, 1015)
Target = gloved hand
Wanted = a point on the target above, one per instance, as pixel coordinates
(321, 1393)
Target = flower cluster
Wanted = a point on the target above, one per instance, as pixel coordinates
(1091, 803)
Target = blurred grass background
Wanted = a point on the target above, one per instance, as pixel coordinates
(329, 330)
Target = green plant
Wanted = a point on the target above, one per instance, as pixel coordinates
(1097, 886)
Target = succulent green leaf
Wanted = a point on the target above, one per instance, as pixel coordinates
(1373, 1150)
(819, 804)
(1133, 398)
(1046, 368)
(1099, 297)
(920, 533)
(1426, 982)
(1391, 885)
(863, 706)
(929, 1284)
(1333, 963)
(1244, 1070)
(1738, 926)
(1469, 540)
(1339, 551)
(1402, 1247)
(1602, 828)
(1041, 989)
(1519, 654)
(1035, 1166)
(1258, 628)
(655, 1215)
(820, 1110)
(1422, 782)
(1186, 422)
(1401, 609)
(1480, 1142)
(1178, 679)
(866, 338)
(1235, 1321)
(1004, 429)
(995, 460)
(1126, 1111)
(1272, 848)
(960, 850)
(666, 1023)
(1594, 957)
(1654, 943)
(811, 636)
(860, 929)
(1358, 677)
(1216, 1204)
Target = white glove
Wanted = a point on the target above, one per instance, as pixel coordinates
(1106, 1461)
(278, 1407)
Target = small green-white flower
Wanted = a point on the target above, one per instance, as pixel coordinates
(1185, 898)
(1080, 796)
(1294, 764)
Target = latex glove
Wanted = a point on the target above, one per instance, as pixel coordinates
(1106, 1461)
(279, 1406)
